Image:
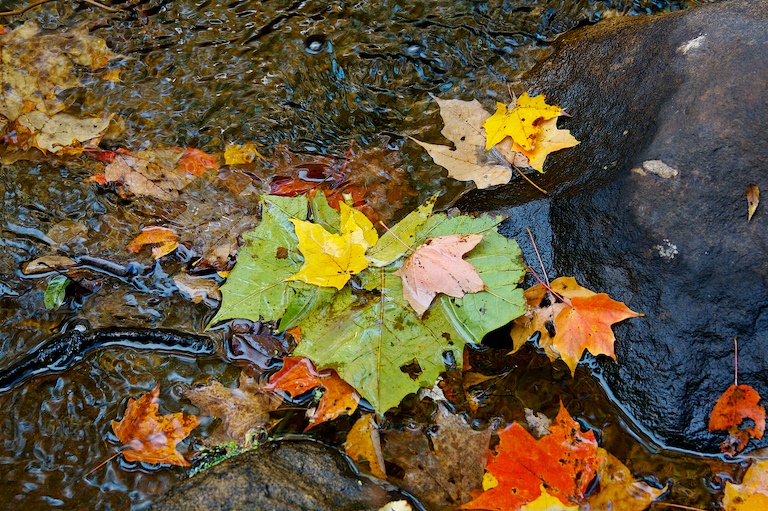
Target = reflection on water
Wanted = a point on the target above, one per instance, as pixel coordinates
(314, 75)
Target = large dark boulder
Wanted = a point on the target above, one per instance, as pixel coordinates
(672, 114)
(280, 476)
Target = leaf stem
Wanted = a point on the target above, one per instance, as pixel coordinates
(736, 361)
(542, 190)
(396, 236)
(538, 256)
(102, 464)
(546, 286)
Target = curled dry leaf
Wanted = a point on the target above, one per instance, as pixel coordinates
(739, 403)
(753, 200)
(437, 267)
(149, 437)
(243, 411)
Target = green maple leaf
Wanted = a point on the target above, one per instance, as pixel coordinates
(377, 343)
(256, 289)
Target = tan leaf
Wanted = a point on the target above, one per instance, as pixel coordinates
(61, 131)
(753, 200)
(437, 267)
(47, 263)
(619, 489)
(363, 444)
(468, 161)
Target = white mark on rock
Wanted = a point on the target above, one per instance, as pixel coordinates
(667, 251)
(657, 168)
(691, 45)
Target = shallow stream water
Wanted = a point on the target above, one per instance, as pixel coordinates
(313, 76)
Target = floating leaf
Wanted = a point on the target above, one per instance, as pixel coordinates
(298, 376)
(468, 160)
(257, 288)
(395, 242)
(739, 403)
(363, 444)
(55, 292)
(752, 493)
(565, 460)
(619, 489)
(376, 341)
(522, 123)
(149, 437)
(566, 331)
(437, 267)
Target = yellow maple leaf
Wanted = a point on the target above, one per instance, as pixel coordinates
(236, 154)
(546, 502)
(331, 259)
(549, 140)
(522, 122)
(752, 493)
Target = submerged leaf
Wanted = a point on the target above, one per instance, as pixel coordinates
(752, 493)
(55, 292)
(149, 437)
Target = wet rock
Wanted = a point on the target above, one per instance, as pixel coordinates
(280, 476)
(651, 208)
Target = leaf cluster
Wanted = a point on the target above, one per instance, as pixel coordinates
(365, 329)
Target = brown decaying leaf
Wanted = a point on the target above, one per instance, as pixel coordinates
(738, 404)
(151, 438)
(46, 264)
(442, 462)
(166, 239)
(753, 200)
(244, 411)
(566, 331)
(619, 489)
(363, 444)
(437, 267)
(198, 289)
(298, 376)
(148, 173)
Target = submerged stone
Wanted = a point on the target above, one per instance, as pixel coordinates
(651, 207)
(280, 476)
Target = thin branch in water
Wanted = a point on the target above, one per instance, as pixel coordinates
(538, 256)
(678, 506)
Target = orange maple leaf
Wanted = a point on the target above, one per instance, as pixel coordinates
(737, 404)
(565, 461)
(580, 321)
(299, 376)
(151, 438)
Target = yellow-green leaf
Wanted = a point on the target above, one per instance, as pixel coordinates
(522, 122)
(356, 226)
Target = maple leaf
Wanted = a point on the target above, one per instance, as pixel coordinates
(619, 489)
(243, 411)
(752, 493)
(442, 461)
(148, 173)
(437, 267)
(196, 162)
(522, 123)
(548, 140)
(565, 461)
(547, 502)
(167, 239)
(61, 132)
(151, 438)
(394, 243)
(468, 161)
(371, 338)
(738, 404)
(298, 376)
(569, 329)
(363, 444)
(331, 259)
